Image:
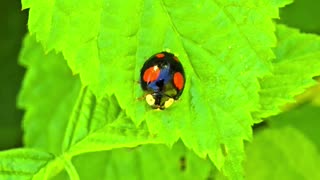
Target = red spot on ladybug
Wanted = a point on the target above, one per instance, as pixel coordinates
(178, 80)
(151, 74)
(175, 58)
(161, 55)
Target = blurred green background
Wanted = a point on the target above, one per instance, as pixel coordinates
(13, 27)
(303, 14)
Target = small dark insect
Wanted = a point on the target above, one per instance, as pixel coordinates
(183, 164)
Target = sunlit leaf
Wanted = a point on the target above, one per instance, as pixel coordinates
(23, 164)
(298, 60)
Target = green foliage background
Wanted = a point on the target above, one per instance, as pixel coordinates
(283, 147)
(13, 27)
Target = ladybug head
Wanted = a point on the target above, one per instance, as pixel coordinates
(159, 101)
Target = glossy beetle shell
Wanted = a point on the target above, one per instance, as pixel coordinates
(162, 78)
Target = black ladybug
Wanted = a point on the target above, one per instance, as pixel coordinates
(162, 78)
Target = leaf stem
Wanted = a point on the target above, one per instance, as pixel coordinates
(71, 170)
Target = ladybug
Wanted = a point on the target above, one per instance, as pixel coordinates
(162, 78)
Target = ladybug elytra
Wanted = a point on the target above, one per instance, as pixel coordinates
(162, 78)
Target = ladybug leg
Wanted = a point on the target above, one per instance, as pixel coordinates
(168, 96)
(141, 97)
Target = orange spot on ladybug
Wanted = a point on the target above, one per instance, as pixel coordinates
(178, 80)
(151, 74)
(161, 55)
(175, 58)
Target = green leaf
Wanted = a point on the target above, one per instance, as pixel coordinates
(304, 118)
(94, 124)
(298, 60)
(48, 94)
(224, 46)
(288, 148)
(34, 164)
(282, 153)
(99, 124)
(23, 164)
(144, 162)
